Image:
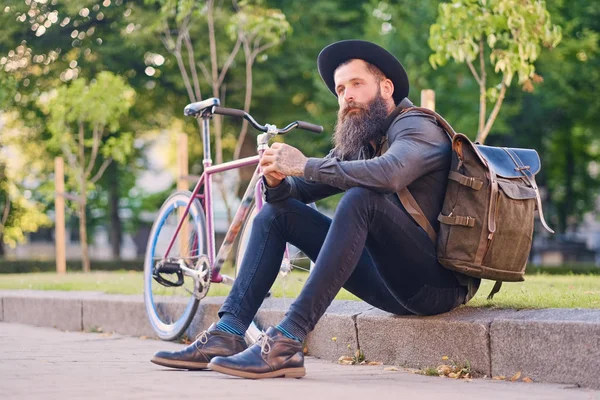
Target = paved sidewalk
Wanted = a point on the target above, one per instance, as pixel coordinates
(544, 345)
(51, 364)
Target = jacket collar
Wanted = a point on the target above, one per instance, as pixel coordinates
(404, 104)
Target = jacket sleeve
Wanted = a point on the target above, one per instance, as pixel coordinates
(299, 188)
(417, 146)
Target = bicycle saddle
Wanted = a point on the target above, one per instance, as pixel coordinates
(193, 109)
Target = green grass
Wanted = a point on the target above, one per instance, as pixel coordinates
(538, 291)
(543, 291)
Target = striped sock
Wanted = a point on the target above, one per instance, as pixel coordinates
(231, 324)
(292, 330)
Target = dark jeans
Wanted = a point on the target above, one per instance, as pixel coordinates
(372, 248)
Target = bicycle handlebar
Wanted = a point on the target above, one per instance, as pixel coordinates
(307, 126)
(232, 112)
(211, 106)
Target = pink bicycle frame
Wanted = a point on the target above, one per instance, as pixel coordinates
(254, 191)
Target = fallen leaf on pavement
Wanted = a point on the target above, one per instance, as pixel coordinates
(444, 369)
(498, 378)
(346, 360)
(527, 379)
(390, 369)
(374, 363)
(516, 376)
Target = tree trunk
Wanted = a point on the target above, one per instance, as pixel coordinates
(214, 77)
(85, 257)
(482, 89)
(481, 136)
(116, 229)
(482, 109)
(569, 174)
(3, 213)
(247, 100)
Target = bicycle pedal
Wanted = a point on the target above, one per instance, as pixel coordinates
(168, 268)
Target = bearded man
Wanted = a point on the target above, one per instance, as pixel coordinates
(372, 247)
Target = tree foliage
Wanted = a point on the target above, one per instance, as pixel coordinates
(508, 33)
(80, 116)
(48, 45)
(21, 211)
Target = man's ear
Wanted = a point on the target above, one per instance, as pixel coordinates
(387, 88)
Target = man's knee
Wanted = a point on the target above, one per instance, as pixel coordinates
(269, 211)
(359, 197)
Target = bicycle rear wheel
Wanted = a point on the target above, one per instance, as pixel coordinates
(171, 297)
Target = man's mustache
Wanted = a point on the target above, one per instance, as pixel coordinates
(353, 106)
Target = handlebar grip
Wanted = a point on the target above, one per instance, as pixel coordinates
(310, 127)
(232, 112)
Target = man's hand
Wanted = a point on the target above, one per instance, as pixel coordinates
(281, 160)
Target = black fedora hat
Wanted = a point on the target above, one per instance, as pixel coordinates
(337, 53)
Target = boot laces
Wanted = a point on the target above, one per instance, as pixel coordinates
(264, 343)
(202, 338)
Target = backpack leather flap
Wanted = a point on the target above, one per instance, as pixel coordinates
(509, 163)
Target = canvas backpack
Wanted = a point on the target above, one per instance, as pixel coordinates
(487, 219)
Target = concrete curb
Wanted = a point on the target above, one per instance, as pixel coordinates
(549, 345)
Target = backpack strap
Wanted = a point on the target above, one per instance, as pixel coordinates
(524, 169)
(406, 198)
(468, 181)
(495, 290)
(412, 207)
(440, 120)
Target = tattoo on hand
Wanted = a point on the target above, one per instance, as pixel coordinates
(290, 161)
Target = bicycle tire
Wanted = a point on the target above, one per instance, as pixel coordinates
(162, 313)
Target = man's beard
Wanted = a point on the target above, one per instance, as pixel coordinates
(357, 125)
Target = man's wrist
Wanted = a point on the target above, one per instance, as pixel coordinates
(271, 185)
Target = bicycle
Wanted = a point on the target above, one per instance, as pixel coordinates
(180, 260)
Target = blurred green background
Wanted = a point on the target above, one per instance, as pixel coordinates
(103, 84)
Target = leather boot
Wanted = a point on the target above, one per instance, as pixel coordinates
(210, 343)
(273, 355)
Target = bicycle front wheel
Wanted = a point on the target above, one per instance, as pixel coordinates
(170, 298)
